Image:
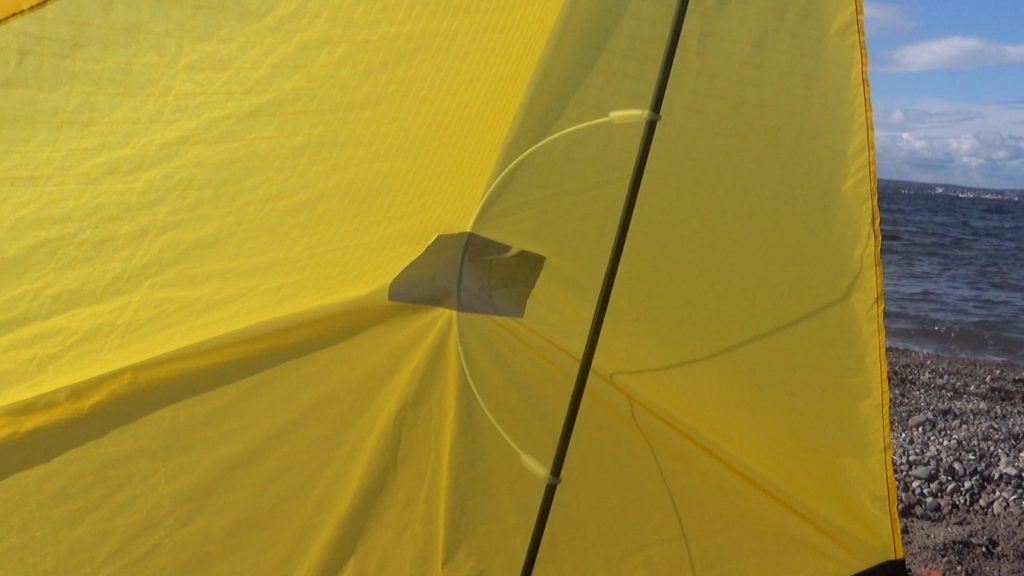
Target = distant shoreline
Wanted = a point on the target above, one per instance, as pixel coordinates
(891, 185)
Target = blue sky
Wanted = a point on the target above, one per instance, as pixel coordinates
(947, 82)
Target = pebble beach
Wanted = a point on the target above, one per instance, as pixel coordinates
(958, 434)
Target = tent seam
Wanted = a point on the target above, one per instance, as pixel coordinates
(879, 286)
(54, 407)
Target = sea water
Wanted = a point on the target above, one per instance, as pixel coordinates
(954, 269)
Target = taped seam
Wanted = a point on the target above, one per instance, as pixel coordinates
(32, 5)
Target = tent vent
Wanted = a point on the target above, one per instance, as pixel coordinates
(470, 273)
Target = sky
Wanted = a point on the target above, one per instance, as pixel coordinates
(947, 83)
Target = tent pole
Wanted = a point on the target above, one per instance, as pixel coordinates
(604, 297)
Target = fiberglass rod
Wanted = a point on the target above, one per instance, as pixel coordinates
(604, 297)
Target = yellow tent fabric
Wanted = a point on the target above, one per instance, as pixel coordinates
(203, 206)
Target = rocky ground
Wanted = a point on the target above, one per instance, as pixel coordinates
(958, 430)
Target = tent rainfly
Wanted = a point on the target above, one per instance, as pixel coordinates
(327, 288)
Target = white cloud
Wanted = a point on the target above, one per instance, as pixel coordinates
(990, 159)
(952, 52)
(954, 142)
(887, 18)
(946, 118)
(903, 118)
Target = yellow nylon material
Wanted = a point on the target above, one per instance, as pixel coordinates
(205, 169)
(760, 339)
(200, 372)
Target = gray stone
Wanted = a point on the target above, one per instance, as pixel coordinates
(919, 420)
(923, 472)
(999, 507)
(958, 468)
(932, 505)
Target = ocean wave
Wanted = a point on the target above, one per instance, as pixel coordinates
(954, 268)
